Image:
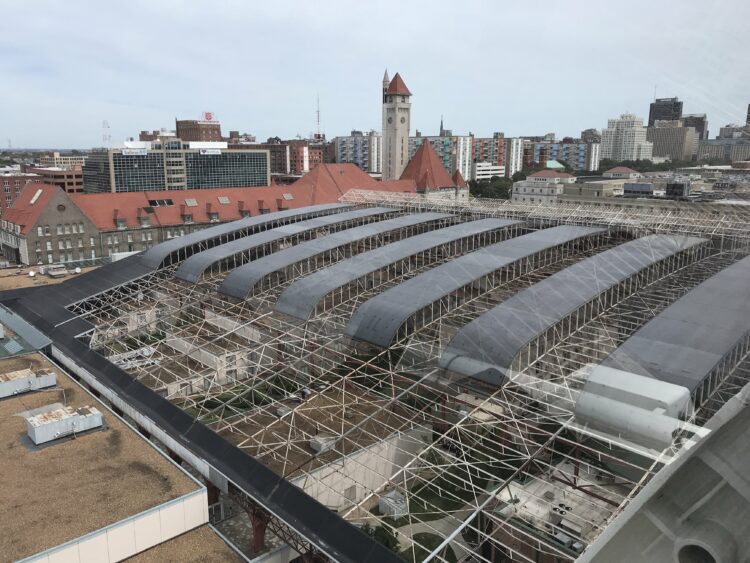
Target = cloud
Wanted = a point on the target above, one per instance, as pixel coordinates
(522, 68)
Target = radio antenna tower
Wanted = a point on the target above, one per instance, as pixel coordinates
(317, 120)
(106, 134)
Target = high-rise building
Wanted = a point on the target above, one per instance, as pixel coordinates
(171, 164)
(578, 154)
(664, 109)
(625, 139)
(489, 149)
(455, 152)
(396, 126)
(672, 140)
(747, 119)
(513, 156)
(699, 122)
(591, 136)
(206, 129)
(363, 149)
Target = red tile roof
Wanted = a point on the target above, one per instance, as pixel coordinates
(328, 182)
(397, 86)
(103, 209)
(25, 213)
(550, 174)
(426, 169)
(621, 170)
(458, 179)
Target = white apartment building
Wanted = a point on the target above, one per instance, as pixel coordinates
(486, 171)
(625, 139)
(513, 155)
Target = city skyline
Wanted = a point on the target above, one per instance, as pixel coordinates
(122, 67)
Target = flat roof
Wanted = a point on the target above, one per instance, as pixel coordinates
(300, 299)
(196, 546)
(241, 281)
(193, 268)
(62, 490)
(154, 257)
(486, 347)
(378, 320)
(684, 342)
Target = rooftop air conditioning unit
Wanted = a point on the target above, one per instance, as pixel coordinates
(322, 443)
(56, 421)
(24, 380)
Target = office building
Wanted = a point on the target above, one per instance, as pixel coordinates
(591, 136)
(363, 149)
(69, 179)
(206, 129)
(672, 140)
(734, 131)
(728, 150)
(544, 187)
(57, 160)
(173, 164)
(664, 109)
(396, 126)
(699, 122)
(625, 139)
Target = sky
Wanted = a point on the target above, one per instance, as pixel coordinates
(524, 67)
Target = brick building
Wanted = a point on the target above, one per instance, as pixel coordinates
(69, 179)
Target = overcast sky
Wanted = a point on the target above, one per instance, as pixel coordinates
(523, 67)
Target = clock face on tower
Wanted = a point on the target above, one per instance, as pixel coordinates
(403, 120)
(390, 120)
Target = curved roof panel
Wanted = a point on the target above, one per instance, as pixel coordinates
(155, 256)
(240, 281)
(300, 299)
(684, 342)
(192, 269)
(486, 347)
(378, 320)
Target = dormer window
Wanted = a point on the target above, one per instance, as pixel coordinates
(144, 221)
(122, 224)
(213, 217)
(187, 218)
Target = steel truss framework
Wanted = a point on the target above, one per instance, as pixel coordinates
(482, 470)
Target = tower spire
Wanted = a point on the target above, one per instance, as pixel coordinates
(442, 131)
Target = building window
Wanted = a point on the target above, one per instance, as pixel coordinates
(74, 228)
(49, 258)
(39, 231)
(122, 224)
(145, 221)
(80, 228)
(49, 245)
(91, 241)
(187, 218)
(46, 230)
(59, 229)
(213, 217)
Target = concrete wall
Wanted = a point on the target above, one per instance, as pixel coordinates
(138, 533)
(340, 483)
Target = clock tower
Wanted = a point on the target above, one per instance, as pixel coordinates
(396, 125)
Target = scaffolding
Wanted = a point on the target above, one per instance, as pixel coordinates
(482, 470)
